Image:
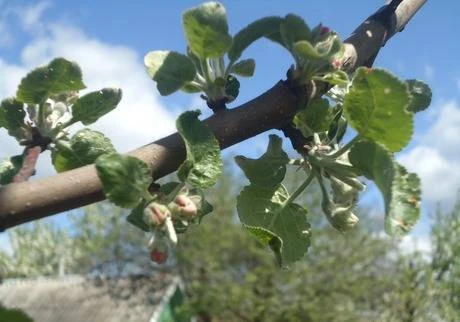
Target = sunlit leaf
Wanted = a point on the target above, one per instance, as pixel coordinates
(376, 107)
(203, 164)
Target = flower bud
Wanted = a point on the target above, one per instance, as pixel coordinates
(343, 219)
(155, 214)
(324, 30)
(185, 207)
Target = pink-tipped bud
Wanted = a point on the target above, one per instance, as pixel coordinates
(155, 214)
(324, 30)
(185, 206)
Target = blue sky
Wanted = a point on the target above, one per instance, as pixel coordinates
(110, 38)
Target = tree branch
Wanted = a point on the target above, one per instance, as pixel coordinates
(27, 201)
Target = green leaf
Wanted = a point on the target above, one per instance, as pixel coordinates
(400, 189)
(83, 148)
(9, 168)
(125, 179)
(206, 30)
(191, 88)
(169, 69)
(244, 67)
(268, 27)
(203, 164)
(284, 228)
(269, 170)
(420, 95)
(12, 114)
(376, 107)
(58, 76)
(90, 107)
(293, 29)
(232, 86)
(267, 238)
(136, 217)
(305, 50)
(316, 117)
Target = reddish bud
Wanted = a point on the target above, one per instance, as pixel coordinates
(159, 248)
(158, 256)
(324, 30)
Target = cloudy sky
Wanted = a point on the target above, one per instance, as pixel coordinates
(109, 39)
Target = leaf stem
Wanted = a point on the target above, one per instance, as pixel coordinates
(299, 190)
(344, 148)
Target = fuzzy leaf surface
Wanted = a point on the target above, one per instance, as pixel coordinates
(12, 114)
(83, 148)
(125, 179)
(268, 27)
(203, 164)
(268, 170)
(206, 30)
(60, 75)
(169, 69)
(400, 189)
(376, 107)
(293, 29)
(244, 67)
(316, 117)
(284, 228)
(90, 107)
(420, 95)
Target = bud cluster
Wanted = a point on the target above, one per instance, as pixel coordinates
(163, 216)
(345, 188)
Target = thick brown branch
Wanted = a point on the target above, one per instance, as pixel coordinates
(27, 201)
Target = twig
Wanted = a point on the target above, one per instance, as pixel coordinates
(27, 201)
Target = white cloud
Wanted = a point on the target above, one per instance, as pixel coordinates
(428, 71)
(436, 159)
(30, 16)
(140, 117)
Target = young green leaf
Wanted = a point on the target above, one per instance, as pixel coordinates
(203, 164)
(267, 238)
(262, 207)
(82, 149)
(400, 189)
(90, 107)
(244, 67)
(9, 168)
(58, 76)
(268, 27)
(232, 87)
(125, 179)
(293, 29)
(376, 107)
(420, 95)
(316, 117)
(12, 114)
(136, 217)
(306, 51)
(169, 69)
(269, 170)
(206, 30)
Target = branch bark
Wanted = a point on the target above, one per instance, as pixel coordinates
(27, 201)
